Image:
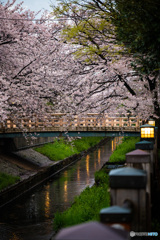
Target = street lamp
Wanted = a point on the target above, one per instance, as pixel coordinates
(147, 132)
(151, 122)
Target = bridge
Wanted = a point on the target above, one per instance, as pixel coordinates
(61, 125)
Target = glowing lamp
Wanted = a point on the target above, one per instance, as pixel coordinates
(147, 131)
(151, 122)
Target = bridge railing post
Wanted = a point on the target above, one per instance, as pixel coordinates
(117, 215)
(147, 146)
(142, 160)
(130, 184)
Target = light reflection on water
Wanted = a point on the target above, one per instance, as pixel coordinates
(37, 211)
(47, 201)
(65, 191)
(78, 172)
(115, 142)
(15, 237)
(87, 166)
(99, 157)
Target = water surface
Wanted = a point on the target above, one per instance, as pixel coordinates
(31, 218)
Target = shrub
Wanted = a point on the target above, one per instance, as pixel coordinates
(101, 177)
(127, 145)
(84, 143)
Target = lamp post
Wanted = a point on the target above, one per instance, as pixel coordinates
(147, 132)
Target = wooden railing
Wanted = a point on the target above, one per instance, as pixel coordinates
(60, 122)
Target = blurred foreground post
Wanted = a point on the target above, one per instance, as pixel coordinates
(129, 184)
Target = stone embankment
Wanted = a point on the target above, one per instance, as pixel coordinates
(33, 169)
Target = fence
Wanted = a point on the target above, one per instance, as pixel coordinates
(131, 190)
(62, 122)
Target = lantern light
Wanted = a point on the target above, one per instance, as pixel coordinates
(147, 131)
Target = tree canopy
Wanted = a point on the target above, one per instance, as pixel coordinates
(122, 31)
(32, 61)
(83, 63)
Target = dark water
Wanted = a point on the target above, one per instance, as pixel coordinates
(31, 218)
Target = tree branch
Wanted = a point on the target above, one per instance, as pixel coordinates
(23, 68)
(126, 85)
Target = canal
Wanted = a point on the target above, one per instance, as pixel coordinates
(31, 218)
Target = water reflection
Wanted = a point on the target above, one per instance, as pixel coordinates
(78, 172)
(87, 164)
(115, 142)
(66, 191)
(95, 165)
(47, 201)
(31, 208)
(15, 237)
(95, 160)
(99, 156)
(56, 195)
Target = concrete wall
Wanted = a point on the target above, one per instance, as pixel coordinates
(21, 143)
(13, 144)
(7, 196)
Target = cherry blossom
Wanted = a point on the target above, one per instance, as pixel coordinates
(41, 74)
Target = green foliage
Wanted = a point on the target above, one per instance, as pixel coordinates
(84, 143)
(7, 180)
(137, 26)
(127, 145)
(155, 225)
(98, 25)
(95, 35)
(62, 149)
(87, 206)
(101, 177)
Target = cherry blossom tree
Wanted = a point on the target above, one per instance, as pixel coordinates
(80, 71)
(114, 85)
(31, 62)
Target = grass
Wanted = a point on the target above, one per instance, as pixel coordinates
(7, 180)
(127, 145)
(62, 149)
(87, 205)
(57, 151)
